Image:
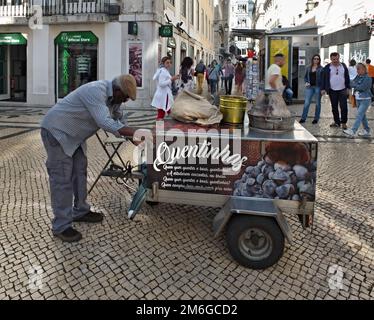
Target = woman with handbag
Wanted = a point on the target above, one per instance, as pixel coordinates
(163, 99)
(361, 88)
(313, 88)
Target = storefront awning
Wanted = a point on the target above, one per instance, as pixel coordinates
(76, 37)
(352, 34)
(12, 39)
(249, 33)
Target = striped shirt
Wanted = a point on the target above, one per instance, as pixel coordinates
(82, 113)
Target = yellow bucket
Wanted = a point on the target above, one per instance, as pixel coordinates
(233, 109)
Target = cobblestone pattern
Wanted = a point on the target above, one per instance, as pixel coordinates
(168, 251)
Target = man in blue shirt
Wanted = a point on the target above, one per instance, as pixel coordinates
(64, 130)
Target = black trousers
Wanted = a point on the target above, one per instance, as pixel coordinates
(339, 98)
(228, 85)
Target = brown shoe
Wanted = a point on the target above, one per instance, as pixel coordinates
(344, 126)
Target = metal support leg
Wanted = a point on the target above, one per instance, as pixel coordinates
(110, 158)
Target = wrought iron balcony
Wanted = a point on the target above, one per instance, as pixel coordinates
(25, 8)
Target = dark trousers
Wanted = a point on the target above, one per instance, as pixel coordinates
(339, 98)
(228, 85)
(372, 88)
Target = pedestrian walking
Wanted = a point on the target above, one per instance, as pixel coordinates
(200, 72)
(229, 76)
(223, 77)
(336, 83)
(163, 98)
(370, 69)
(313, 79)
(239, 77)
(64, 132)
(273, 77)
(213, 76)
(361, 89)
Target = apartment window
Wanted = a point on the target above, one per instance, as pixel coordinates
(183, 8)
(202, 21)
(172, 2)
(242, 8)
(191, 11)
(198, 15)
(206, 26)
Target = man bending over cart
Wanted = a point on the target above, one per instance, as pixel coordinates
(64, 130)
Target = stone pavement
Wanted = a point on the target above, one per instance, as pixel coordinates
(168, 251)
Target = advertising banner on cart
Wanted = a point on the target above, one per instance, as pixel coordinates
(217, 161)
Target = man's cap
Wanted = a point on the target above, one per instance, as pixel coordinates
(127, 84)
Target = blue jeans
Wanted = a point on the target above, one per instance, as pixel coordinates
(309, 93)
(67, 178)
(362, 107)
(213, 86)
(289, 93)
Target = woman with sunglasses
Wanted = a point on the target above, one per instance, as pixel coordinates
(313, 78)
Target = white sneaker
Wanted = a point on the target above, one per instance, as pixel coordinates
(364, 133)
(349, 133)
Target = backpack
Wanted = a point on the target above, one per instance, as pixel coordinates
(200, 68)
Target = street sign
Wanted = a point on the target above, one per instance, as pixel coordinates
(76, 37)
(166, 31)
(12, 38)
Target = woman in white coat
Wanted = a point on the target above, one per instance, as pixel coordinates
(163, 99)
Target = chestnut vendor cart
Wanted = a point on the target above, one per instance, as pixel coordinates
(255, 177)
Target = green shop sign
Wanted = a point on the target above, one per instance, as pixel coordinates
(76, 37)
(166, 31)
(12, 38)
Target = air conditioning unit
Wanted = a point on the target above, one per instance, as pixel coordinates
(114, 9)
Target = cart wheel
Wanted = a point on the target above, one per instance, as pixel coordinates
(255, 242)
(152, 203)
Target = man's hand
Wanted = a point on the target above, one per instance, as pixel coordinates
(323, 92)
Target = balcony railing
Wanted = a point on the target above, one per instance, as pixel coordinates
(25, 8)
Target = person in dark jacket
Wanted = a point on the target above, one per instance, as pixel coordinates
(336, 83)
(313, 79)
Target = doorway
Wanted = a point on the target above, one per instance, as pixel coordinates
(295, 72)
(76, 61)
(13, 68)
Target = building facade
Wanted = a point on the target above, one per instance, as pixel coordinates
(222, 29)
(342, 28)
(49, 48)
(241, 19)
(347, 29)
